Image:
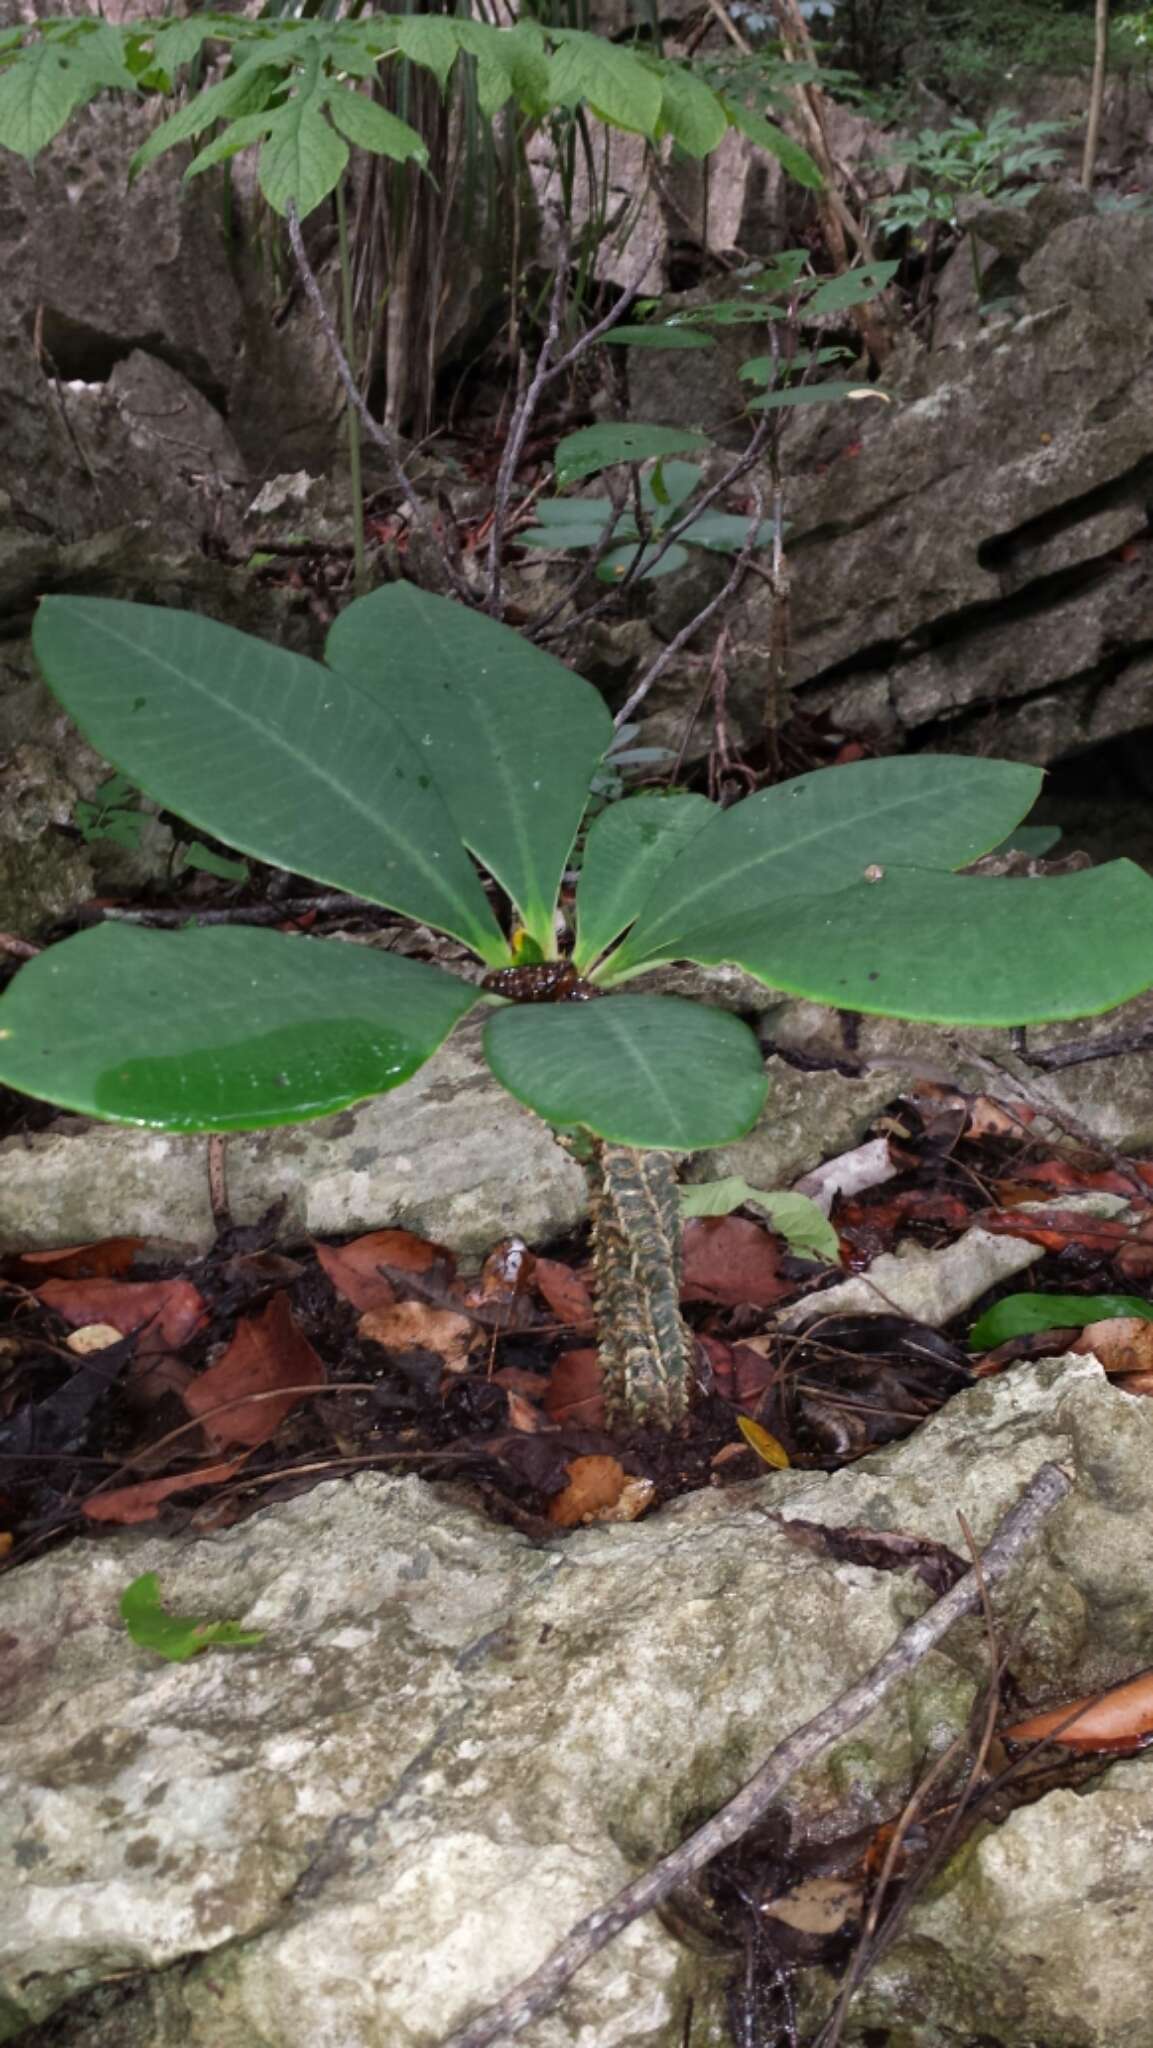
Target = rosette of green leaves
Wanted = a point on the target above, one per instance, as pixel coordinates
(438, 764)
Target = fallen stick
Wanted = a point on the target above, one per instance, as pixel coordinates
(536, 1993)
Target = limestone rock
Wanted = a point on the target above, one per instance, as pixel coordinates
(450, 1744)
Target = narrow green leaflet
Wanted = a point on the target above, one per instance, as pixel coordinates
(616, 85)
(495, 63)
(512, 736)
(805, 1228)
(1019, 1315)
(649, 1071)
(627, 848)
(820, 832)
(238, 135)
(795, 160)
(955, 949)
(690, 113)
(727, 532)
(221, 1029)
(246, 91)
(523, 50)
(177, 1636)
(593, 448)
(430, 40)
(272, 753)
(176, 43)
(652, 564)
(657, 337)
(817, 394)
(371, 126)
(47, 82)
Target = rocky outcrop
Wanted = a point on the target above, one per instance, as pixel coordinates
(450, 1744)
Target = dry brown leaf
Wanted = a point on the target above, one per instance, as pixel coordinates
(1135, 1382)
(819, 1905)
(112, 1255)
(566, 1294)
(733, 1262)
(142, 1503)
(524, 1415)
(355, 1269)
(268, 1352)
(166, 1312)
(1118, 1720)
(414, 1326)
(575, 1392)
(1119, 1343)
(594, 1488)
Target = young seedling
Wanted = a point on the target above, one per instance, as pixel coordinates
(435, 743)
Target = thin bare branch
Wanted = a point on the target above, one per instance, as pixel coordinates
(669, 654)
(383, 439)
(538, 1993)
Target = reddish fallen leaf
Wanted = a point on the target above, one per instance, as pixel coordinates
(356, 1270)
(1057, 1228)
(102, 1261)
(566, 1294)
(732, 1261)
(268, 1351)
(167, 1312)
(745, 1376)
(1135, 1382)
(414, 1326)
(142, 1503)
(595, 1484)
(891, 1213)
(1121, 1719)
(1064, 1175)
(575, 1392)
(503, 1281)
(1120, 1344)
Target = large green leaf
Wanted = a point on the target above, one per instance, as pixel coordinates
(303, 158)
(221, 1030)
(628, 847)
(690, 112)
(820, 832)
(430, 40)
(789, 154)
(51, 78)
(282, 758)
(592, 448)
(616, 85)
(649, 1071)
(1019, 1315)
(955, 949)
(245, 91)
(512, 736)
(371, 126)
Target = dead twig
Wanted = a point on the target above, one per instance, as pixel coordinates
(385, 441)
(538, 1992)
(218, 1182)
(669, 654)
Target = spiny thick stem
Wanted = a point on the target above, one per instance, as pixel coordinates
(647, 1352)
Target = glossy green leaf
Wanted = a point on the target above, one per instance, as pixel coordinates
(614, 83)
(1035, 840)
(1019, 1315)
(789, 154)
(628, 847)
(177, 1636)
(657, 337)
(852, 288)
(955, 949)
(272, 753)
(690, 112)
(827, 393)
(805, 1227)
(512, 736)
(370, 126)
(221, 1029)
(594, 448)
(649, 1071)
(820, 832)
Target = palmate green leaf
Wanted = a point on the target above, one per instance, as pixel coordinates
(219, 1030)
(648, 1071)
(955, 949)
(615, 84)
(370, 126)
(593, 448)
(51, 78)
(657, 337)
(176, 43)
(303, 158)
(178, 1637)
(1019, 1315)
(512, 736)
(496, 65)
(820, 832)
(272, 753)
(247, 91)
(627, 848)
